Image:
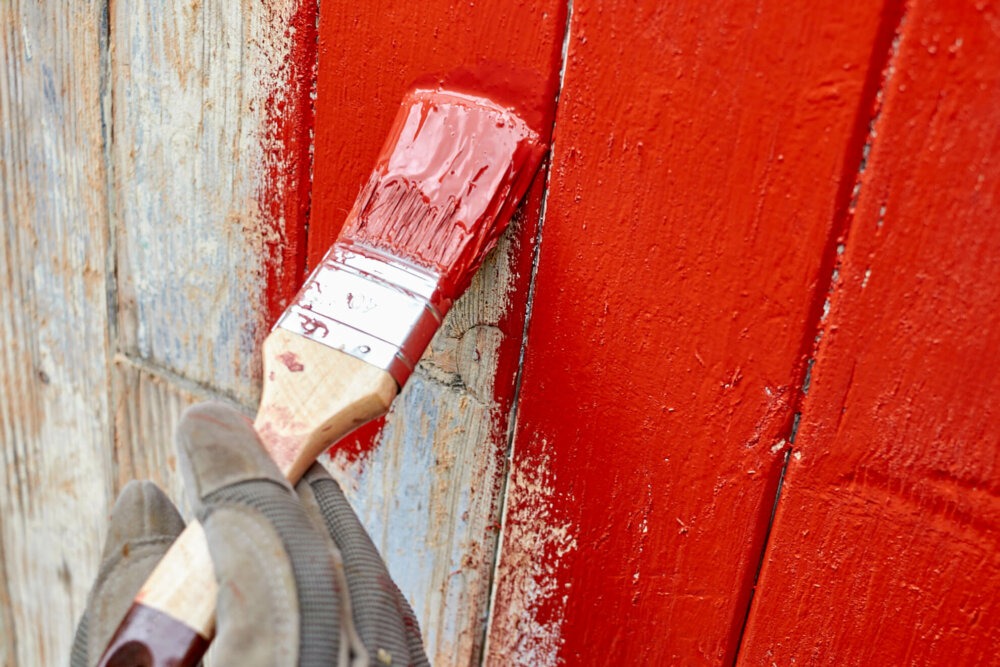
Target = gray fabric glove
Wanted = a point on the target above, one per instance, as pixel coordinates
(300, 581)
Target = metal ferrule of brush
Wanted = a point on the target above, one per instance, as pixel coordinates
(369, 305)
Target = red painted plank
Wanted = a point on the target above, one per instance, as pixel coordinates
(284, 197)
(371, 54)
(884, 549)
(699, 151)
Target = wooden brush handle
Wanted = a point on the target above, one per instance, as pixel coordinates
(313, 395)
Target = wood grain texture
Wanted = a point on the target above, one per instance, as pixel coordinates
(427, 483)
(54, 342)
(884, 548)
(313, 396)
(147, 407)
(206, 121)
(698, 156)
(427, 490)
(207, 189)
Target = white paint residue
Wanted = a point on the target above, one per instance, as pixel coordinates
(536, 539)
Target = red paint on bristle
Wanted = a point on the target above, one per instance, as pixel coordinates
(446, 183)
(284, 195)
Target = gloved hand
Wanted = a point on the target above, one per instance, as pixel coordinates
(300, 582)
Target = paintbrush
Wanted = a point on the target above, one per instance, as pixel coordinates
(447, 180)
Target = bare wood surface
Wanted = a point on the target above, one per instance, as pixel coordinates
(147, 406)
(192, 86)
(54, 335)
(428, 490)
(182, 94)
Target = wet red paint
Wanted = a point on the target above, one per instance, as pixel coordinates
(370, 56)
(291, 362)
(695, 185)
(884, 548)
(284, 195)
(450, 174)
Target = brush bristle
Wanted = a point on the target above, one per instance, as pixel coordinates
(446, 183)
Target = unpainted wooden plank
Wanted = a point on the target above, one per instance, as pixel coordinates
(54, 413)
(884, 546)
(427, 491)
(210, 159)
(147, 409)
(428, 487)
(698, 158)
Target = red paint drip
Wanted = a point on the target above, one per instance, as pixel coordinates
(284, 196)
(446, 183)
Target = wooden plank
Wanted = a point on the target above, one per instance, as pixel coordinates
(884, 548)
(427, 484)
(54, 425)
(211, 156)
(427, 490)
(147, 408)
(696, 189)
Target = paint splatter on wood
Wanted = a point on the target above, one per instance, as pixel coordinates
(890, 512)
(532, 598)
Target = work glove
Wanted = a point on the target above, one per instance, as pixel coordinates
(300, 581)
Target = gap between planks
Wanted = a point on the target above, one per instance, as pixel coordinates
(518, 379)
(884, 53)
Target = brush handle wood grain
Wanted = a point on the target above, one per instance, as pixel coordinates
(313, 395)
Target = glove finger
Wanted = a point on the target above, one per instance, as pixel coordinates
(278, 601)
(355, 653)
(257, 613)
(143, 525)
(382, 616)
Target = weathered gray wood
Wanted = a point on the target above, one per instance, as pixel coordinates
(180, 92)
(191, 82)
(164, 217)
(429, 493)
(54, 335)
(147, 407)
